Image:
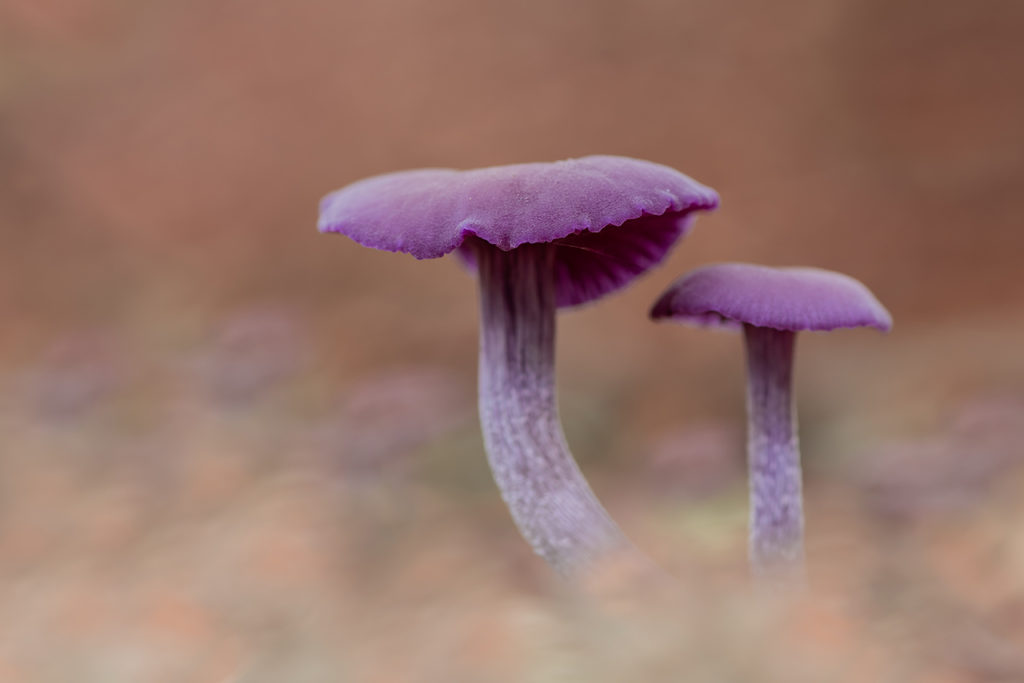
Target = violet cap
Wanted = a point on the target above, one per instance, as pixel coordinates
(611, 218)
(794, 299)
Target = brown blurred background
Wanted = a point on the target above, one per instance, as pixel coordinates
(234, 449)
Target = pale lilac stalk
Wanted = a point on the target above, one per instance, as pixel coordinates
(550, 501)
(773, 453)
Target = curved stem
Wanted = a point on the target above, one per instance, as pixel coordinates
(551, 503)
(773, 452)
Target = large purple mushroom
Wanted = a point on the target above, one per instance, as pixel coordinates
(772, 305)
(540, 236)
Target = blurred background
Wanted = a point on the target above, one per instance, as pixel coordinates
(233, 449)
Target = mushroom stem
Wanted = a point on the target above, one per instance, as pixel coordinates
(550, 501)
(773, 452)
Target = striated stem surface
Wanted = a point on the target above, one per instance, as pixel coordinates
(551, 503)
(773, 452)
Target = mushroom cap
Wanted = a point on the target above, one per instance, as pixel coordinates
(795, 299)
(611, 218)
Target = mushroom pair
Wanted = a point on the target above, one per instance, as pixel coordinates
(547, 236)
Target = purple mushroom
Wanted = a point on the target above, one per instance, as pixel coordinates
(540, 236)
(772, 305)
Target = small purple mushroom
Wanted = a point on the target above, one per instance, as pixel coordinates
(772, 305)
(540, 236)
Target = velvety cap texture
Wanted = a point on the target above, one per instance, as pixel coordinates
(731, 294)
(611, 218)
